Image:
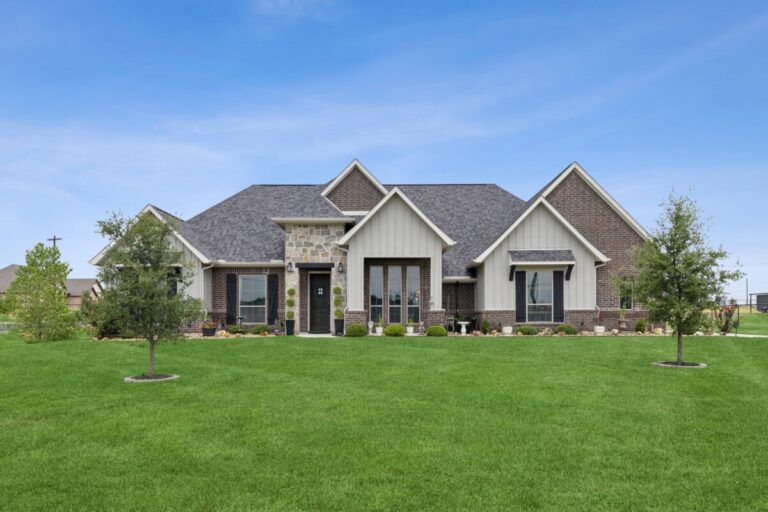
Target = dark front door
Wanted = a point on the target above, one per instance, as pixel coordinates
(319, 302)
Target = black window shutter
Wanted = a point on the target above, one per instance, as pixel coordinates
(272, 298)
(520, 303)
(231, 298)
(557, 289)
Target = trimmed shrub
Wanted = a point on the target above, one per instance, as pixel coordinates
(128, 333)
(290, 315)
(436, 330)
(339, 313)
(485, 327)
(337, 302)
(566, 329)
(355, 330)
(291, 292)
(235, 329)
(641, 325)
(394, 330)
(337, 290)
(527, 330)
(290, 302)
(260, 328)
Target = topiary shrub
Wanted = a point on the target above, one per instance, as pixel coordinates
(394, 330)
(527, 330)
(641, 325)
(290, 302)
(566, 329)
(337, 290)
(436, 330)
(235, 329)
(337, 302)
(260, 328)
(355, 330)
(485, 327)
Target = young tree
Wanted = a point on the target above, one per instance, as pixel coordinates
(144, 276)
(680, 276)
(38, 296)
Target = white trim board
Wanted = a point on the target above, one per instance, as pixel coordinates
(447, 241)
(541, 201)
(354, 164)
(594, 185)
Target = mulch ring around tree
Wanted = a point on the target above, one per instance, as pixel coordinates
(675, 364)
(160, 377)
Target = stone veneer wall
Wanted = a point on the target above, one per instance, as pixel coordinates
(312, 243)
(355, 193)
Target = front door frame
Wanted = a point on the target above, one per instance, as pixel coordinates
(309, 301)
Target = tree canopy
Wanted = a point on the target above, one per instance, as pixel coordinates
(38, 296)
(144, 276)
(680, 276)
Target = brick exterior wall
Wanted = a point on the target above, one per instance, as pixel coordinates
(355, 193)
(218, 311)
(609, 319)
(604, 228)
(459, 298)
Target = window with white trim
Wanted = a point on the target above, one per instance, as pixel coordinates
(626, 292)
(253, 299)
(539, 295)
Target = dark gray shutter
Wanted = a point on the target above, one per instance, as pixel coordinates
(557, 300)
(272, 298)
(520, 302)
(231, 298)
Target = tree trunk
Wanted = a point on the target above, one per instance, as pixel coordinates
(151, 371)
(679, 347)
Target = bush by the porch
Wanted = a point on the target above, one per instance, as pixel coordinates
(354, 330)
(394, 330)
(567, 329)
(436, 330)
(527, 330)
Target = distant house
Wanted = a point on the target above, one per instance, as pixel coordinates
(76, 288)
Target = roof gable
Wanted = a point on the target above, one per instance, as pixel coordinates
(396, 192)
(575, 168)
(541, 201)
(354, 166)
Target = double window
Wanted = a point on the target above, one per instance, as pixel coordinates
(539, 295)
(253, 299)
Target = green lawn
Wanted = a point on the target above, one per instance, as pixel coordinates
(756, 323)
(385, 424)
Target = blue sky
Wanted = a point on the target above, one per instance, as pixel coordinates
(181, 104)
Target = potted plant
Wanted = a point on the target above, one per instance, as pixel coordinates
(209, 328)
(622, 319)
(339, 322)
(290, 322)
(339, 313)
(380, 326)
(409, 327)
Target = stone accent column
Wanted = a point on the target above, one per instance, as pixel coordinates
(315, 243)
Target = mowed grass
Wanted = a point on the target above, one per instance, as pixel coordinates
(755, 323)
(385, 424)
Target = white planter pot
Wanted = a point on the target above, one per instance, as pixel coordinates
(379, 330)
(599, 329)
(409, 329)
(506, 330)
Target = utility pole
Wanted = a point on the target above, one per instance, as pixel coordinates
(54, 240)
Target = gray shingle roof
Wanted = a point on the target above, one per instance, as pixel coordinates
(472, 215)
(544, 256)
(240, 229)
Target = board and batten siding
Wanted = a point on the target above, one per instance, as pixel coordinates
(539, 230)
(200, 279)
(395, 231)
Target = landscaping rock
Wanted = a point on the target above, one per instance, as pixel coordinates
(658, 331)
(698, 333)
(615, 332)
